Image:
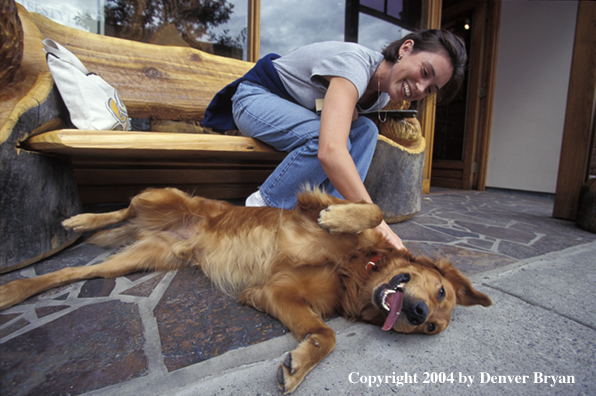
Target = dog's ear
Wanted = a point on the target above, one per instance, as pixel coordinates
(466, 294)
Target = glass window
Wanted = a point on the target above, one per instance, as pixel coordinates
(85, 15)
(289, 24)
(376, 34)
(378, 5)
(229, 38)
(215, 26)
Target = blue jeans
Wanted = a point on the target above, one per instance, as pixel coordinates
(294, 129)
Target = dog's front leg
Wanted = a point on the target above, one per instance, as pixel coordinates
(317, 339)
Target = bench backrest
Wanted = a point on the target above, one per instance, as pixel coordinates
(164, 82)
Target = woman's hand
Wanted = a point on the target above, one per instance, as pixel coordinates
(390, 236)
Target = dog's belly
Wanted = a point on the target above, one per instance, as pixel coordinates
(246, 252)
(238, 261)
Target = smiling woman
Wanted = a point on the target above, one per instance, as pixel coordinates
(276, 102)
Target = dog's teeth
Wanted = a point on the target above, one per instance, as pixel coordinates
(384, 301)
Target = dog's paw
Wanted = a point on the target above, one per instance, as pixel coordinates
(330, 219)
(80, 223)
(350, 218)
(288, 377)
(298, 363)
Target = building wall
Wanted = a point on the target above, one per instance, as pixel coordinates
(534, 62)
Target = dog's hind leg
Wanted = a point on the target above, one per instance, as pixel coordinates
(317, 339)
(95, 221)
(149, 254)
(114, 237)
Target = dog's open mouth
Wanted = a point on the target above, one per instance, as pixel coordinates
(389, 297)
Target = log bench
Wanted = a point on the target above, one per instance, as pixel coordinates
(51, 169)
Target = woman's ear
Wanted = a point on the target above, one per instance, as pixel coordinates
(406, 47)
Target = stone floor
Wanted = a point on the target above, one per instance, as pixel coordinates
(97, 333)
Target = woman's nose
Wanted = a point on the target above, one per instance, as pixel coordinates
(422, 87)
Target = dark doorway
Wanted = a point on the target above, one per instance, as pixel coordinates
(462, 127)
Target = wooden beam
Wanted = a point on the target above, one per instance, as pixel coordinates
(254, 31)
(431, 19)
(578, 132)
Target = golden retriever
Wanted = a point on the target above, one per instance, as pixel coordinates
(299, 266)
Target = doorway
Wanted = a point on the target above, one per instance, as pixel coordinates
(462, 127)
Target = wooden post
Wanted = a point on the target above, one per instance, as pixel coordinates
(254, 31)
(431, 19)
(578, 132)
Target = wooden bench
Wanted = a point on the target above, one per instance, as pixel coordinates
(112, 166)
(48, 169)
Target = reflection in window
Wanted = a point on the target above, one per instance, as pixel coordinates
(214, 26)
(190, 23)
(405, 13)
(286, 25)
(232, 33)
(84, 15)
(376, 34)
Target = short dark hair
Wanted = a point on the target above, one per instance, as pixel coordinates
(434, 40)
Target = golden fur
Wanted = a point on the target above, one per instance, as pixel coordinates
(299, 266)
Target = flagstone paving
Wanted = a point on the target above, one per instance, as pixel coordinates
(97, 333)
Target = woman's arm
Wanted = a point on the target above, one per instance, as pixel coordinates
(336, 120)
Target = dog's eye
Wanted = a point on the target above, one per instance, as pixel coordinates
(431, 328)
(441, 293)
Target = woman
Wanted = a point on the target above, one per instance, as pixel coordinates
(276, 103)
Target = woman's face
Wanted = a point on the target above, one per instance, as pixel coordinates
(418, 74)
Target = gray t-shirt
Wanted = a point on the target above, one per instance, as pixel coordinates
(301, 70)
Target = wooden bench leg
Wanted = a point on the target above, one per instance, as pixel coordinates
(37, 192)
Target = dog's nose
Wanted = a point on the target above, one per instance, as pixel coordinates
(417, 315)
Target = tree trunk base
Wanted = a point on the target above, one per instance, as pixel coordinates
(394, 180)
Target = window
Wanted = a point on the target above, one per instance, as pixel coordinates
(215, 26)
(85, 15)
(288, 24)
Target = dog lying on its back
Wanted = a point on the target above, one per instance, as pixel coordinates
(299, 266)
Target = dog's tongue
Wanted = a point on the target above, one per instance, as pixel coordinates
(394, 300)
